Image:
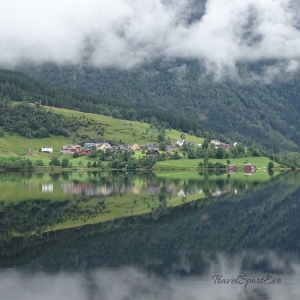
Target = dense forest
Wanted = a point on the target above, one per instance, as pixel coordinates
(20, 87)
(244, 110)
(30, 121)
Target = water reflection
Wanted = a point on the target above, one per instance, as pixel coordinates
(148, 237)
(129, 282)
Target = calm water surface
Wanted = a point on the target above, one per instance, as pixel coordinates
(124, 236)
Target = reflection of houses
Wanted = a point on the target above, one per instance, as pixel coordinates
(181, 193)
(249, 169)
(218, 192)
(47, 149)
(86, 189)
(153, 188)
(47, 188)
(232, 169)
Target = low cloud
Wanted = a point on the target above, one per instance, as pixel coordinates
(133, 283)
(128, 33)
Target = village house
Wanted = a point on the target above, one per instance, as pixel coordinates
(104, 147)
(70, 149)
(180, 143)
(215, 142)
(226, 146)
(30, 150)
(152, 152)
(135, 147)
(174, 148)
(48, 149)
(124, 147)
(152, 147)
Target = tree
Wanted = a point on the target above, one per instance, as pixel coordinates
(132, 163)
(162, 146)
(175, 155)
(205, 144)
(65, 162)
(89, 164)
(220, 153)
(75, 155)
(39, 163)
(270, 165)
(54, 162)
(116, 114)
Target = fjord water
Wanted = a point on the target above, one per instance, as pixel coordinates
(144, 236)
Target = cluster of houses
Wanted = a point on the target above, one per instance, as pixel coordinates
(87, 147)
(218, 144)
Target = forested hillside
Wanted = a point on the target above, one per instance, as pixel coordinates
(16, 86)
(245, 110)
(30, 121)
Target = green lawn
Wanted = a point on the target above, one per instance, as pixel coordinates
(260, 162)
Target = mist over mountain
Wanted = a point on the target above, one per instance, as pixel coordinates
(231, 66)
(126, 33)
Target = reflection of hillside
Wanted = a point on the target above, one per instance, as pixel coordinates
(264, 216)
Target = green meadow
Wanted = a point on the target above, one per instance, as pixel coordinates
(115, 130)
(260, 162)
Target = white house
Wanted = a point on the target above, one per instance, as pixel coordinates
(47, 149)
(215, 142)
(180, 143)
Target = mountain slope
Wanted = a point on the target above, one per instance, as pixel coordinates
(267, 114)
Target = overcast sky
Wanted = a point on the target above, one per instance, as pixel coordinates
(126, 33)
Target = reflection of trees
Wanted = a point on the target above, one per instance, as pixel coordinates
(257, 219)
(55, 176)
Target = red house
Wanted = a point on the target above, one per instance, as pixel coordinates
(30, 150)
(226, 146)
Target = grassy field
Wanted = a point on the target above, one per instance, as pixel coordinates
(118, 131)
(260, 162)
